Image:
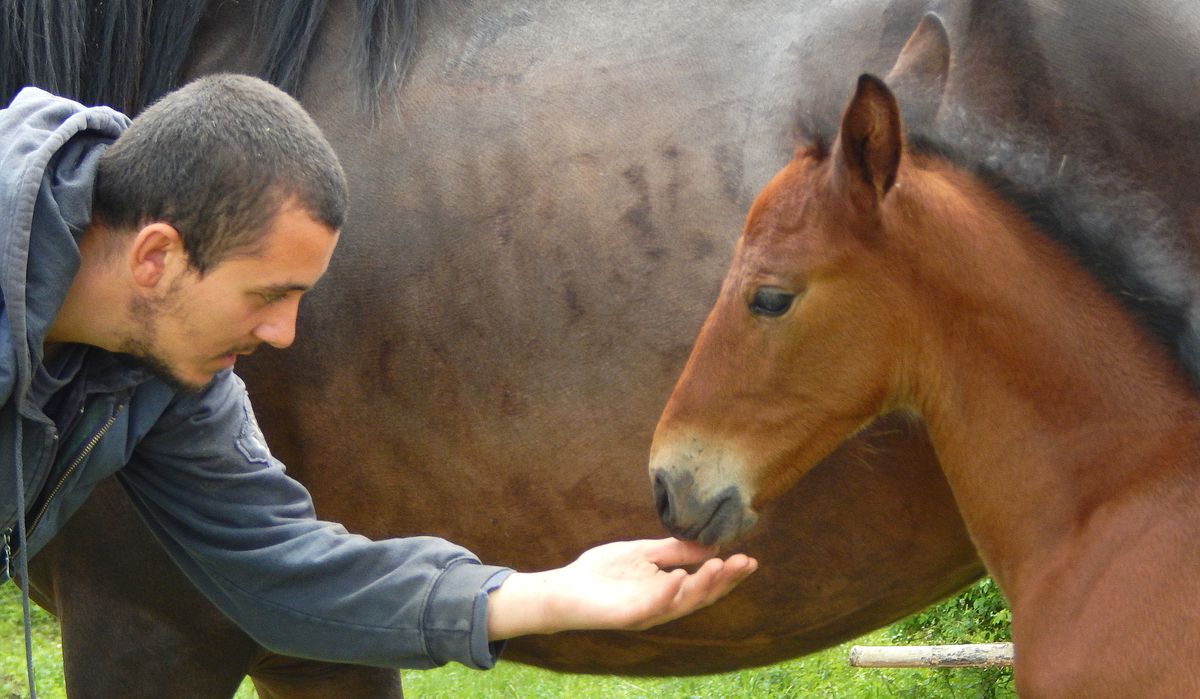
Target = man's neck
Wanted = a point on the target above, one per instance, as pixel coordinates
(92, 313)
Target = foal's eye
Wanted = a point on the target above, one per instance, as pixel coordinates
(770, 301)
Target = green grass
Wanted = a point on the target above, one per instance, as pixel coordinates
(977, 615)
(47, 651)
(826, 675)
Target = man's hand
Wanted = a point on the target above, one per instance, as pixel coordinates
(624, 585)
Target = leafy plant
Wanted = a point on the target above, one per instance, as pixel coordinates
(979, 614)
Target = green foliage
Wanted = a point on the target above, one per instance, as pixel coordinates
(979, 614)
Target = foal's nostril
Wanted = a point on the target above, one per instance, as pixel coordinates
(662, 499)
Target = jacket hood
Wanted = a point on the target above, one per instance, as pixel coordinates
(49, 150)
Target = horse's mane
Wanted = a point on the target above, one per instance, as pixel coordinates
(1122, 235)
(127, 53)
(1117, 247)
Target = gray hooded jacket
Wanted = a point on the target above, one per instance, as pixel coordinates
(195, 464)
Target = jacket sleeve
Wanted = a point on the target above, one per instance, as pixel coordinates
(246, 535)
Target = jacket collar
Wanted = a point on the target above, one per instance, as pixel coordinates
(49, 152)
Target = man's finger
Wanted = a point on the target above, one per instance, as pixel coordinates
(671, 553)
(715, 579)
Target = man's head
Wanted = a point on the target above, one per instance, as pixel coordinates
(217, 159)
(223, 202)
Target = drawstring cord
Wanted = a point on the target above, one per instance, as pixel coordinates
(22, 554)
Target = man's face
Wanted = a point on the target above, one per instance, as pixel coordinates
(202, 323)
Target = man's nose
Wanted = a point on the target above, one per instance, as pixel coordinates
(279, 328)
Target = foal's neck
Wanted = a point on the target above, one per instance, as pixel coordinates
(1045, 400)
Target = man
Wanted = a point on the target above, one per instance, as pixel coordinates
(138, 260)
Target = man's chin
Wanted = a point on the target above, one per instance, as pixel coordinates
(183, 384)
(186, 386)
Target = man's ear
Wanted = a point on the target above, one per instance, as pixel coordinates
(156, 255)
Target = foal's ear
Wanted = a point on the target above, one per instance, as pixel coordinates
(919, 77)
(867, 152)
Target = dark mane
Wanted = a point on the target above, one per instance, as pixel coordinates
(1114, 231)
(127, 53)
(1120, 234)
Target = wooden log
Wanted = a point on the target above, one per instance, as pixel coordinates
(968, 655)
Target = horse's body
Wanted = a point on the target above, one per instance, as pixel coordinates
(873, 278)
(536, 234)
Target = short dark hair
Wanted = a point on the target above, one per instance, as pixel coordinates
(217, 159)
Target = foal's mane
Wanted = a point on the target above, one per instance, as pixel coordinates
(1084, 224)
(127, 53)
(1120, 235)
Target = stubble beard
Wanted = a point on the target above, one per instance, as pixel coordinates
(144, 313)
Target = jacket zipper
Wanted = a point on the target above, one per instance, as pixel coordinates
(87, 449)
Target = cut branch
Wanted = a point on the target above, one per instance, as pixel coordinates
(968, 655)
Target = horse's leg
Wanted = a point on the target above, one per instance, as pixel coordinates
(131, 624)
(279, 677)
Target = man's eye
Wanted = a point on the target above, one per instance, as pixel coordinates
(272, 297)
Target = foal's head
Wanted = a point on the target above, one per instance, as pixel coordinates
(809, 339)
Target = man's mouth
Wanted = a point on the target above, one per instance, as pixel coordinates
(230, 357)
(244, 351)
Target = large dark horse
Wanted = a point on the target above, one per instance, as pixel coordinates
(542, 213)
